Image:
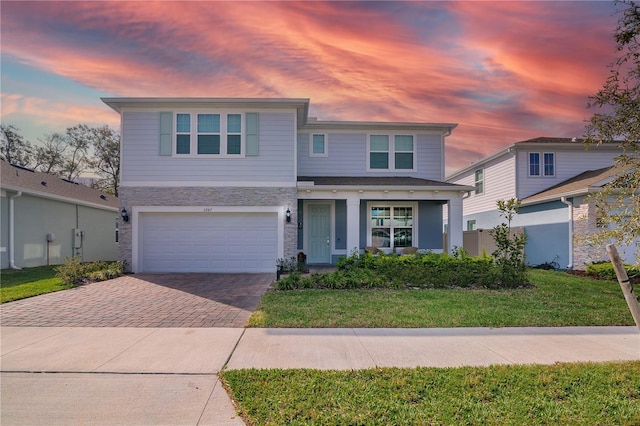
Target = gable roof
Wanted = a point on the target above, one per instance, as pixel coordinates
(576, 186)
(16, 178)
(535, 143)
(392, 182)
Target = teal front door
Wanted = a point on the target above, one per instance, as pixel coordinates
(319, 233)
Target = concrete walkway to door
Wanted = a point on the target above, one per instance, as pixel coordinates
(145, 300)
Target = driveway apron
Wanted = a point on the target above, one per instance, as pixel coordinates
(145, 300)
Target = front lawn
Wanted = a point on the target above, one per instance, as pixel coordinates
(556, 299)
(27, 282)
(566, 394)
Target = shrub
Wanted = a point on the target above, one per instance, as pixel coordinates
(509, 254)
(424, 270)
(605, 271)
(75, 272)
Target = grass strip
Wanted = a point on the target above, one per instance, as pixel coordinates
(27, 282)
(557, 299)
(567, 394)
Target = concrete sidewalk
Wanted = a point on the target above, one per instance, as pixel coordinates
(69, 375)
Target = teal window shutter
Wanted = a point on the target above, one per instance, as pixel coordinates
(166, 132)
(251, 135)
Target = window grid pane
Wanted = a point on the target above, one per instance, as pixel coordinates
(234, 123)
(183, 123)
(208, 144)
(549, 164)
(404, 160)
(233, 144)
(183, 144)
(404, 143)
(208, 123)
(379, 160)
(379, 143)
(392, 227)
(479, 181)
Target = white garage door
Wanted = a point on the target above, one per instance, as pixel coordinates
(213, 242)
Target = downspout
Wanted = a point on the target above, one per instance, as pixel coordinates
(12, 263)
(570, 205)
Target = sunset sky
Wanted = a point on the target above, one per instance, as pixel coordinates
(504, 71)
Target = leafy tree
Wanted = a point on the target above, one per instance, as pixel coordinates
(13, 148)
(617, 118)
(105, 161)
(509, 254)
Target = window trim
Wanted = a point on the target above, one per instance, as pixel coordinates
(541, 164)
(414, 228)
(193, 133)
(391, 166)
(481, 181)
(326, 145)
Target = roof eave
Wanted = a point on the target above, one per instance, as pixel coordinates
(56, 197)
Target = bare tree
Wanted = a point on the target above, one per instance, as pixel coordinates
(105, 161)
(13, 148)
(50, 155)
(78, 140)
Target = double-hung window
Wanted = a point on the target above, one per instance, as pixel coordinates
(542, 165)
(211, 134)
(391, 152)
(391, 226)
(479, 181)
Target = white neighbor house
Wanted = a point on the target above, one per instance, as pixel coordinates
(232, 185)
(552, 177)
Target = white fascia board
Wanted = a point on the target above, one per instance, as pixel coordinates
(576, 193)
(207, 183)
(437, 128)
(407, 193)
(58, 198)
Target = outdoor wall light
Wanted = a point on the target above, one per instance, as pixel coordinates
(124, 214)
(288, 215)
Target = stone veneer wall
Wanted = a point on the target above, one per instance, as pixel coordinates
(207, 196)
(584, 224)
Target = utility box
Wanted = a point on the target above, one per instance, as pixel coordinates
(51, 237)
(77, 237)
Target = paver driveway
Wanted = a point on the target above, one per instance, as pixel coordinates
(145, 300)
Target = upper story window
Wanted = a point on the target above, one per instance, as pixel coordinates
(542, 165)
(391, 152)
(318, 145)
(203, 134)
(479, 181)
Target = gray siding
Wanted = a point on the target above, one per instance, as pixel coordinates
(430, 225)
(4, 232)
(142, 162)
(341, 224)
(36, 217)
(568, 165)
(347, 156)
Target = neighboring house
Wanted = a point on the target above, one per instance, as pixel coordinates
(46, 219)
(551, 176)
(232, 185)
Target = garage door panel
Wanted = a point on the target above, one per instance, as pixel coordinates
(192, 242)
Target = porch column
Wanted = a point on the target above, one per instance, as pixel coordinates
(454, 236)
(353, 224)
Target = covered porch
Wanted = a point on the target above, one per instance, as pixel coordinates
(338, 216)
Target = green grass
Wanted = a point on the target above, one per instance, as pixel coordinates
(27, 282)
(557, 299)
(566, 394)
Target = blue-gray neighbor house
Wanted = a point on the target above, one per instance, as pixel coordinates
(553, 178)
(232, 185)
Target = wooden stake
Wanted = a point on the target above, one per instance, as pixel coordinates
(625, 284)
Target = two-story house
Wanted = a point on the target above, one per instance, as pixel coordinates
(232, 185)
(552, 177)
